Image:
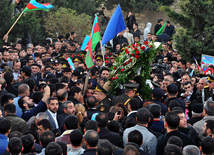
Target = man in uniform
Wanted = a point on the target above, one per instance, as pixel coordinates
(207, 92)
(104, 104)
(130, 90)
(98, 61)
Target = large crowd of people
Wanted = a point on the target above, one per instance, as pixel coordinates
(49, 108)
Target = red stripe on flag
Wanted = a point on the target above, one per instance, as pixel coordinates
(45, 4)
(30, 6)
(96, 28)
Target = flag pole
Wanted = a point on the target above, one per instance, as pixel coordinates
(102, 50)
(13, 25)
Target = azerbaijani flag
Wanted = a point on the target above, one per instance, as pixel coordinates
(34, 5)
(94, 39)
(161, 29)
(95, 33)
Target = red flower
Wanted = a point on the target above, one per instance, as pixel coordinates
(129, 46)
(106, 61)
(137, 52)
(135, 48)
(133, 45)
(115, 77)
(126, 63)
(130, 60)
(150, 46)
(122, 70)
(127, 52)
(132, 54)
(137, 56)
(114, 67)
(78, 55)
(146, 42)
(106, 54)
(110, 53)
(142, 47)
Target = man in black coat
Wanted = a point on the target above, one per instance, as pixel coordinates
(158, 25)
(130, 20)
(171, 124)
(91, 103)
(104, 133)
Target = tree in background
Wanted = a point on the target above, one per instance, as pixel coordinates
(137, 5)
(197, 20)
(64, 21)
(6, 11)
(81, 6)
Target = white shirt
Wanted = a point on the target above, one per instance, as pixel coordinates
(54, 118)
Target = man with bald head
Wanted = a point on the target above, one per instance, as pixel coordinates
(23, 90)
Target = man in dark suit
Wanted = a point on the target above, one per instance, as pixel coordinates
(9, 80)
(133, 106)
(91, 103)
(52, 107)
(171, 124)
(114, 138)
(91, 140)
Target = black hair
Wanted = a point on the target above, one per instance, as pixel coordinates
(143, 116)
(172, 149)
(52, 88)
(46, 138)
(8, 77)
(15, 134)
(4, 125)
(102, 119)
(175, 140)
(53, 149)
(52, 98)
(10, 108)
(76, 137)
(91, 137)
(37, 96)
(28, 143)
(155, 110)
(74, 90)
(91, 102)
(5, 98)
(114, 126)
(60, 85)
(15, 146)
(64, 147)
(210, 124)
(91, 125)
(134, 103)
(173, 103)
(31, 83)
(71, 122)
(21, 102)
(104, 149)
(129, 122)
(45, 123)
(207, 145)
(187, 82)
(135, 136)
(172, 120)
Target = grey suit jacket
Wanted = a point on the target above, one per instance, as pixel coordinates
(198, 125)
(53, 124)
(149, 140)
